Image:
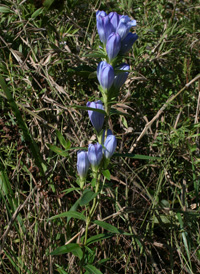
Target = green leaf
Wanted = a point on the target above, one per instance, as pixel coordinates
(52, 187)
(82, 70)
(92, 75)
(58, 150)
(136, 156)
(87, 108)
(93, 182)
(88, 195)
(37, 12)
(111, 228)
(98, 237)
(60, 269)
(92, 269)
(69, 190)
(73, 208)
(164, 219)
(106, 173)
(184, 237)
(73, 214)
(4, 9)
(48, 3)
(124, 121)
(64, 143)
(73, 248)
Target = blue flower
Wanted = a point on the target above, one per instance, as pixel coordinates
(95, 154)
(110, 146)
(113, 45)
(100, 13)
(96, 118)
(108, 131)
(125, 23)
(82, 163)
(105, 75)
(104, 26)
(128, 42)
(121, 75)
(114, 19)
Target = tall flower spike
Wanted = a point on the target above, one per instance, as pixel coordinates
(82, 163)
(95, 154)
(128, 42)
(121, 75)
(113, 45)
(105, 75)
(104, 26)
(96, 118)
(124, 26)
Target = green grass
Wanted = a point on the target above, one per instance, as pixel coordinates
(151, 202)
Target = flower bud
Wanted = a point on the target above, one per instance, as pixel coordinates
(114, 19)
(108, 132)
(82, 163)
(120, 77)
(96, 118)
(128, 42)
(110, 146)
(125, 23)
(104, 26)
(95, 154)
(113, 45)
(105, 75)
(100, 13)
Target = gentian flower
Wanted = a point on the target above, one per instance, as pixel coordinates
(95, 154)
(105, 75)
(104, 26)
(128, 42)
(82, 163)
(114, 19)
(110, 146)
(100, 13)
(113, 45)
(125, 23)
(96, 118)
(108, 131)
(120, 77)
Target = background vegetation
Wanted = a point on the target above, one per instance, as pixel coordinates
(154, 195)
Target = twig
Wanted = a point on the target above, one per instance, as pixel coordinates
(148, 125)
(4, 237)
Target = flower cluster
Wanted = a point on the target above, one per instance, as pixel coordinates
(114, 33)
(95, 154)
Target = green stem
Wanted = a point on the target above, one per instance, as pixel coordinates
(92, 210)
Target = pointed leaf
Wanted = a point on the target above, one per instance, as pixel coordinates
(92, 269)
(64, 143)
(106, 173)
(73, 248)
(88, 195)
(136, 156)
(98, 237)
(73, 214)
(58, 150)
(111, 228)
